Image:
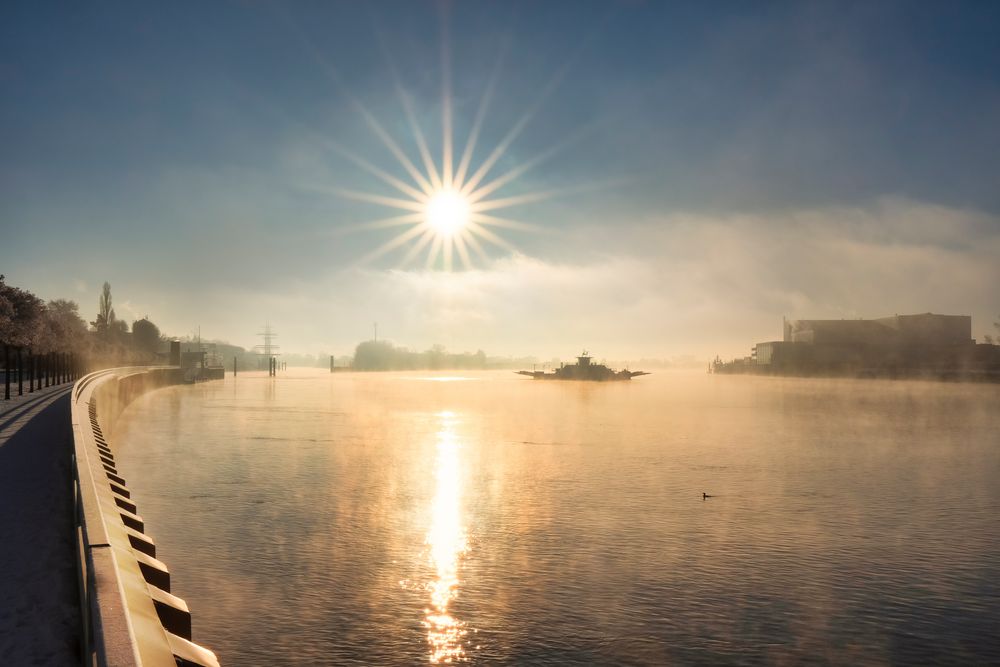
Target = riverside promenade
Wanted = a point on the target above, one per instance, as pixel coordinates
(39, 599)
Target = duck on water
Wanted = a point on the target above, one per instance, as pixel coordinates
(583, 370)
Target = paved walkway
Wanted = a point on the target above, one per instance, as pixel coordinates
(39, 600)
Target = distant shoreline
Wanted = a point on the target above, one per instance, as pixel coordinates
(982, 377)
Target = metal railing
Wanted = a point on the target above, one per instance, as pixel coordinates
(21, 366)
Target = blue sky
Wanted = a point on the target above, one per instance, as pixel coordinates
(721, 165)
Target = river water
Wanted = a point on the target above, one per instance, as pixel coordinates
(405, 519)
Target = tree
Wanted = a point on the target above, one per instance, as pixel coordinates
(374, 356)
(64, 329)
(6, 314)
(146, 336)
(436, 356)
(105, 312)
(21, 314)
(118, 329)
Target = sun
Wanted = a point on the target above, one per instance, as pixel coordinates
(447, 212)
(448, 206)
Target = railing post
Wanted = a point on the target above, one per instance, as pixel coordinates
(6, 372)
(31, 373)
(20, 373)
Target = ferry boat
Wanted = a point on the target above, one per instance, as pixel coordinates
(584, 369)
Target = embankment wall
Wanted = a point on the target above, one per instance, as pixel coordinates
(129, 615)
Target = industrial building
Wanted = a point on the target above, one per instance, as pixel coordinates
(901, 345)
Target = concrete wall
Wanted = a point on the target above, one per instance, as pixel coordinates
(114, 392)
(130, 616)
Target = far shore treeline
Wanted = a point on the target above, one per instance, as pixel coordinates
(384, 356)
(32, 326)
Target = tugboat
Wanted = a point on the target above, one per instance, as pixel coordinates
(583, 370)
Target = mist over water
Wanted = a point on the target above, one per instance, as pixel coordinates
(407, 518)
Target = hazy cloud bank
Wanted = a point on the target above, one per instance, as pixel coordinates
(654, 286)
(676, 284)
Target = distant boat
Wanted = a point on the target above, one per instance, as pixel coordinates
(583, 370)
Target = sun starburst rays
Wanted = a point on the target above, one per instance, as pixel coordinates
(411, 116)
(448, 218)
(395, 242)
(446, 120)
(445, 203)
(374, 198)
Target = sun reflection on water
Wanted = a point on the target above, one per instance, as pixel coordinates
(447, 542)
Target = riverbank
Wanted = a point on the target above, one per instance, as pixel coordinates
(132, 618)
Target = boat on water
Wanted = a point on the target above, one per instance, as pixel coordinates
(584, 369)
